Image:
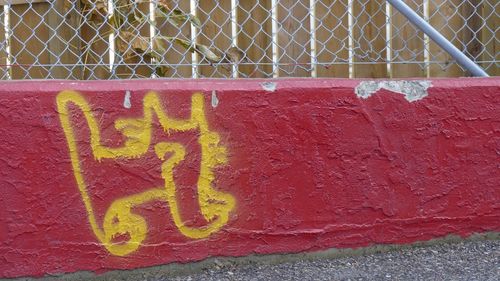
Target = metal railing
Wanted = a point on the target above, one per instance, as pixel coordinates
(116, 39)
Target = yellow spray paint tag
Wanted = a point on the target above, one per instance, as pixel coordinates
(119, 219)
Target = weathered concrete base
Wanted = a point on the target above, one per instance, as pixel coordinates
(100, 176)
(177, 269)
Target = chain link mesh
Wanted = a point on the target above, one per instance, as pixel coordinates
(119, 39)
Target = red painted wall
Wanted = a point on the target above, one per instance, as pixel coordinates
(308, 166)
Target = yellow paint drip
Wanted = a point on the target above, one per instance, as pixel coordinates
(215, 206)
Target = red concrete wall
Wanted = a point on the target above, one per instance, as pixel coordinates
(108, 176)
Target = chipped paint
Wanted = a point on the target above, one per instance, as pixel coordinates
(413, 90)
(269, 86)
(126, 100)
(215, 100)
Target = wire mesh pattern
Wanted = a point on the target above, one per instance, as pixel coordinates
(121, 39)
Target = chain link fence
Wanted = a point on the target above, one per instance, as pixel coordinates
(120, 39)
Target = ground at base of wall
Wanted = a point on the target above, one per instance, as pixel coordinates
(450, 258)
(471, 260)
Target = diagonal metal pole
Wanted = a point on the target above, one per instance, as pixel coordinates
(437, 37)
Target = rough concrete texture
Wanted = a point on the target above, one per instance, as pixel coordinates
(99, 176)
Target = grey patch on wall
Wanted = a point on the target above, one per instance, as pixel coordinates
(269, 86)
(215, 100)
(126, 101)
(412, 90)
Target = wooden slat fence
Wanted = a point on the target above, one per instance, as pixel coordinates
(280, 38)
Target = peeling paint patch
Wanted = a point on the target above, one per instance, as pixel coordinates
(126, 101)
(412, 90)
(215, 100)
(269, 86)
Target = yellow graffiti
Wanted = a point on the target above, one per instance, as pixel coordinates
(119, 220)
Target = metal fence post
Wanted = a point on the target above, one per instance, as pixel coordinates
(444, 43)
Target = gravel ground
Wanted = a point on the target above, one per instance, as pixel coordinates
(471, 260)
